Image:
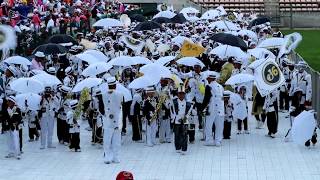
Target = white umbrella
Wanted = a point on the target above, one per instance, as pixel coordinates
(271, 43)
(189, 10)
(29, 101)
(141, 60)
(122, 61)
(210, 14)
(164, 60)
(190, 61)
(248, 33)
(225, 51)
(180, 39)
(90, 59)
(192, 18)
(47, 79)
(225, 25)
(97, 68)
(120, 88)
(303, 127)
(239, 79)
(97, 54)
(143, 82)
(18, 60)
(166, 14)
(155, 70)
(86, 83)
(261, 53)
(108, 22)
(27, 85)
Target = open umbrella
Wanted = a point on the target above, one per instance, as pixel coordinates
(155, 70)
(210, 14)
(271, 43)
(27, 85)
(96, 68)
(86, 83)
(18, 60)
(122, 61)
(192, 18)
(144, 81)
(226, 51)
(97, 54)
(166, 14)
(137, 17)
(258, 21)
(261, 53)
(229, 39)
(50, 49)
(162, 20)
(249, 33)
(28, 101)
(189, 10)
(179, 18)
(47, 79)
(147, 25)
(90, 59)
(108, 22)
(190, 61)
(140, 60)
(303, 127)
(225, 25)
(120, 88)
(180, 39)
(239, 79)
(62, 39)
(164, 60)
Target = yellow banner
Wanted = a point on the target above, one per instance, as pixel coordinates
(190, 49)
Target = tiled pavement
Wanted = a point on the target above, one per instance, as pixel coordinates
(252, 157)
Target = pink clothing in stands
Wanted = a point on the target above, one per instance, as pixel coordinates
(36, 65)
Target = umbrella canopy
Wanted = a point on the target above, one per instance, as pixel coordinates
(97, 68)
(210, 14)
(261, 53)
(249, 33)
(258, 21)
(226, 51)
(189, 10)
(230, 39)
(303, 127)
(192, 18)
(140, 60)
(179, 18)
(97, 54)
(62, 39)
(47, 79)
(162, 20)
(108, 22)
(272, 43)
(155, 70)
(18, 60)
(120, 88)
(27, 85)
(180, 39)
(86, 83)
(137, 17)
(122, 61)
(28, 101)
(239, 79)
(144, 81)
(51, 48)
(166, 14)
(225, 25)
(90, 59)
(164, 60)
(190, 61)
(147, 25)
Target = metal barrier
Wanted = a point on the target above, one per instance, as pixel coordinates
(315, 76)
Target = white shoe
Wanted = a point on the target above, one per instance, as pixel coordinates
(88, 128)
(51, 146)
(9, 155)
(218, 144)
(183, 153)
(273, 135)
(178, 151)
(208, 144)
(18, 157)
(116, 161)
(246, 132)
(42, 147)
(239, 132)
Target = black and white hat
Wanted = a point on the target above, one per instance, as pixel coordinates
(11, 98)
(39, 54)
(73, 104)
(150, 89)
(111, 81)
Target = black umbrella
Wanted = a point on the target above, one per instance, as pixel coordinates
(258, 21)
(137, 17)
(62, 38)
(162, 20)
(147, 25)
(50, 48)
(230, 39)
(179, 18)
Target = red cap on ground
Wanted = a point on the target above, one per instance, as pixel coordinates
(125, 175)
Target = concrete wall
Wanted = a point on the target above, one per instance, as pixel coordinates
(301, 20)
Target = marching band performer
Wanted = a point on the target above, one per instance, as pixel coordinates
(287, 70)
(150, 105)
(241, 109)
(62, 124)
(136, 115)
(272, 118)
(228, 108)
(213, 101)
(33, 123)
(182, 113)
(110, 106)
(74, 127)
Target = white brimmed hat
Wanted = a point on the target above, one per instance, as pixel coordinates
(73, 104)
(150, 89)
(11, 98)
(111, 81)
(39, 54)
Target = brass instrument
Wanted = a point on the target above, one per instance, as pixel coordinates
(185, 118)
(162, 98)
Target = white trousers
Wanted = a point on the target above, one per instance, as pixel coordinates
(47, 125)
(13, 142)
(151, 133)
(218, 121)
(111, 144)
(165, 131)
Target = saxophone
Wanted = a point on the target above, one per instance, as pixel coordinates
(162, 98)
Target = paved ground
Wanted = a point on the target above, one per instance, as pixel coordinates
(252, 156)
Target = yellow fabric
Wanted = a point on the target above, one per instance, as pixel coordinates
(226, 72)
(190, 49)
